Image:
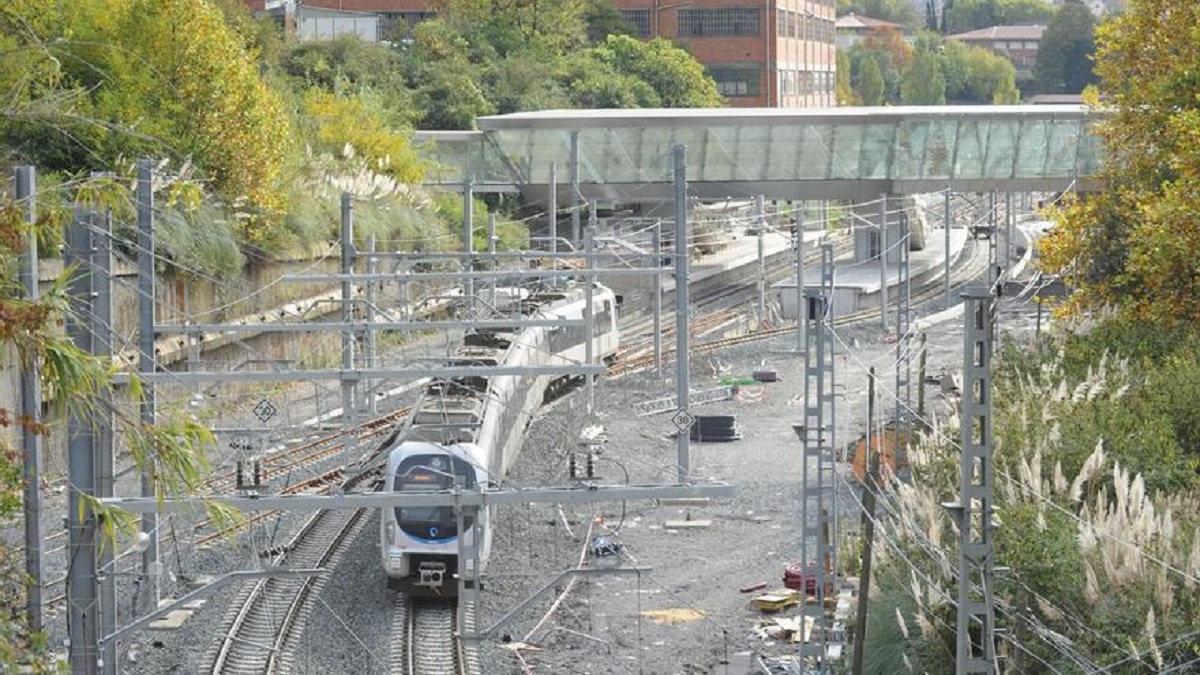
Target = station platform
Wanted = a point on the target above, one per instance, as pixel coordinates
(857, 284)
(736, 263)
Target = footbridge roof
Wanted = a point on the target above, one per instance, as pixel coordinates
(816, 153)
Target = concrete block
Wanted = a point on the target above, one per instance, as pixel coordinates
(171, 621)
(686, 524)
(685, 501)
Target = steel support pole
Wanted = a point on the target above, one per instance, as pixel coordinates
(682, 357)
(492, 241)
(1009, 218)
(903, 340)
(976, 646)
(148, 583)
(870, 481)
(801, 322)
(82, 608)
(31, 413)
(349, 386)
(102, 336)
(552, 218)
(817, 464)
(469, 242)
(370, 393)
(658, 299)
(883, 251)
(993, 233)
(575, 192)
(760, 212)
(946, 233)
(589, 331)
(827, 271)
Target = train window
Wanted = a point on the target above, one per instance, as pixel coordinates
(430, 473)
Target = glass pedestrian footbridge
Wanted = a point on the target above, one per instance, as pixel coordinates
(816, 153)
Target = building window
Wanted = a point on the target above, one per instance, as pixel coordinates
(715, 22)
(735, 81)
(639, 19)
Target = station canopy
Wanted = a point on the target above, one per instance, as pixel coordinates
(816, 153)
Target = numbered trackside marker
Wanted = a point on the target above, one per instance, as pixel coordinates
(683, 420)
(264, 411)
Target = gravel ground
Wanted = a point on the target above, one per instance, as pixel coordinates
(752, 536)
(599, 627)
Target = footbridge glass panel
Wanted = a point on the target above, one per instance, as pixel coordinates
(839, 152)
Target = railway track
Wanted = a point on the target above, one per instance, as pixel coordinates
(425, 640)
(287, 460)
(636, 361)
(263, 627)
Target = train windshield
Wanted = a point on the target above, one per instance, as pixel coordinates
(430, 473)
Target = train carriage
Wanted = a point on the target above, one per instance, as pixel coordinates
(467, 432)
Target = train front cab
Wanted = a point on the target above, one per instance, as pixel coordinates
(420, 544)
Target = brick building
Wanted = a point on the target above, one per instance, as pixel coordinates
(762, 53)
(1018, 44)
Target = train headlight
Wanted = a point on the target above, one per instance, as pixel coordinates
(396, 563)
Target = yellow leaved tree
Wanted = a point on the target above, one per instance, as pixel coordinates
(107, 79)
(1137, 245)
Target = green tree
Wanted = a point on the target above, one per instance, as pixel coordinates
(555, 26)
(602, 20)
(1135, 245)
(844, 90)
(924, 83)
(891, 53)
(991, 78)
(523, 82)
(451, 99)
(870, 82)
(1026, 12)
(593, 84)
(679, 80)
(968, 15)
(1064, 63)
(956, 70)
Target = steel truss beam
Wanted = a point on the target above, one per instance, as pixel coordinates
(587, 494)
(432, 370)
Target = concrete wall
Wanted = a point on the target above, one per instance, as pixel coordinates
(181, 297)
(866, 221)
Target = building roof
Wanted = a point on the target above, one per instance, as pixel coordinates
(855, 22)
(1001, 33)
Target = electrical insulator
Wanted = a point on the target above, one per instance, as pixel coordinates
(240, 474)
(257, 473)
(591, 466)
(571, 465)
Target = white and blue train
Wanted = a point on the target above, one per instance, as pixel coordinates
(467, 431)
